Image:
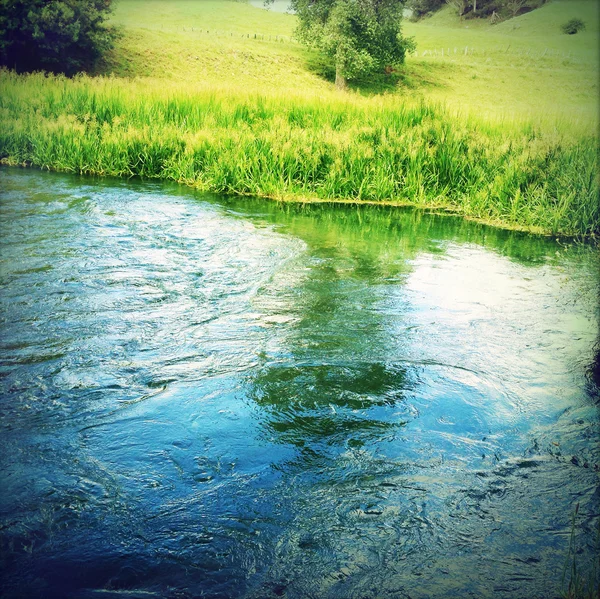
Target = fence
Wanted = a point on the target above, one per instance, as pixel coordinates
(470, 51)
(440, 52)
(224, 34)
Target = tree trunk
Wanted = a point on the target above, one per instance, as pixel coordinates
(340, 80)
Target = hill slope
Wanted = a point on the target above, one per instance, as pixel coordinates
(525, 66)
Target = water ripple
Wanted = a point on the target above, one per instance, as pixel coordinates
(209, 397)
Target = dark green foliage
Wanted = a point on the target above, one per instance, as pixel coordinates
(573, 26)
(62, 36)
(501, 9)
(420, 8)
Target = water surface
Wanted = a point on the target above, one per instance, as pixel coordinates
(210, 397)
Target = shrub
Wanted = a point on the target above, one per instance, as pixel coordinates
(573, 26)
(62, 36)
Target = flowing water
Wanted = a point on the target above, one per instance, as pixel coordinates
(204, 396)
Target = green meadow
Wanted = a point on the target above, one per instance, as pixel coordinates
(495, 122)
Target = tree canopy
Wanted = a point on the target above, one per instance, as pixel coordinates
(502, 9)
(359, 36)
(62, 36)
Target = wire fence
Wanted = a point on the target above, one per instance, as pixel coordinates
(472, 51)
(233, 34)
(448, 51)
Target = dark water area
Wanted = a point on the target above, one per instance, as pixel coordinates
(212, 397)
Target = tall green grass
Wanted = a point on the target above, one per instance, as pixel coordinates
(304, 147)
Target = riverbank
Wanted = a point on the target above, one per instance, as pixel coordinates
(237, 106)
(302, 147)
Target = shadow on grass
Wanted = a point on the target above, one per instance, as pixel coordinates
(413, 76)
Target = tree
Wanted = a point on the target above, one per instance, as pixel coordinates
(496, 9)
(420, 8)
(359, 36)
(63, 36)
(514, 6)
(459, 6)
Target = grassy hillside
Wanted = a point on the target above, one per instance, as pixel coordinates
(497, 123)
(209, 43)
(524, 67)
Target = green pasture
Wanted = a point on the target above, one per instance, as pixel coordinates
(524, 67)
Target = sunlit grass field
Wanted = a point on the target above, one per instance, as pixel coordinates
(497, 123)
(524, 66)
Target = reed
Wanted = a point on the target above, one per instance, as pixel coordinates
(304, 147)
(575, 583)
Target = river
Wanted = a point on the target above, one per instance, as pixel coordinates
(205, 396)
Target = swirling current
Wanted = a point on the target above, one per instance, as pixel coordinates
(204, 396)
